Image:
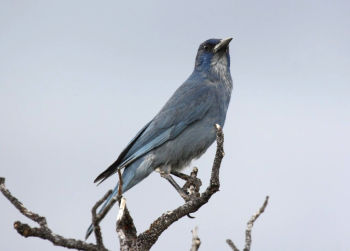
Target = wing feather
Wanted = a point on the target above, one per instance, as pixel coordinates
(186, 106)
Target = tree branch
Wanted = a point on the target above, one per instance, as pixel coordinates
(29, 214)
(44, 232)
(129, 240)
(248, 232)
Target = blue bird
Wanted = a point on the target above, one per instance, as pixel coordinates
(184, 128)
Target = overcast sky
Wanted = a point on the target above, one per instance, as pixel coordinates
(78, 79)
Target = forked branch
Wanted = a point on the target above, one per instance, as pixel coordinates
(43, 231)
(126, 230)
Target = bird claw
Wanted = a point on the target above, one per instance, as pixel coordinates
(190, 189)
(190, 216)
(193, 184)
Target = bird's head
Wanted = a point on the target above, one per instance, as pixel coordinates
(213, 55)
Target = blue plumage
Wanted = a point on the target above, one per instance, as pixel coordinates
(184, 128)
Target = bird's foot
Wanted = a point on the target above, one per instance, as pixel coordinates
(190, 189)
(192, 184)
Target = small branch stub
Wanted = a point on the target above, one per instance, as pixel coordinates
(196, 242)
(232, 245)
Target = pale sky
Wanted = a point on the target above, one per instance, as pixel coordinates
(78, 79)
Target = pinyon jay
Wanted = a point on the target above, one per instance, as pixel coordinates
(184, 128)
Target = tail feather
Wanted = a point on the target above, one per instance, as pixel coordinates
(122, 157)
(131, 176)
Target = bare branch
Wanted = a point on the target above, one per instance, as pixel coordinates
(196, 242)
(248, 232)
(29, 214)
(214, 179)
(43, 232)
(232, 245)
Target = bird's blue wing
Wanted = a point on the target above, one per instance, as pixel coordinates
(188, 104)
(108, 172)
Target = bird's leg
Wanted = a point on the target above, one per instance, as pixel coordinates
(165, 173)
(168, 177)
(190, 188)
(180, 175)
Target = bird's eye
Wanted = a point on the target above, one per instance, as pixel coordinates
(206, 47)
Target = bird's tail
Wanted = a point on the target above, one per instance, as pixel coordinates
(131, 176)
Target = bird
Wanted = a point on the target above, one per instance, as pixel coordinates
(184, 128)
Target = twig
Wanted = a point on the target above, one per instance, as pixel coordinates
(104, 212)
(196, 242)
(232, 245)
(214, 179)
(95, 220)
(43, 232)
(29, 214)
(248, 232)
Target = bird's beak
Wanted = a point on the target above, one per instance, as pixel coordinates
(223, 44)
